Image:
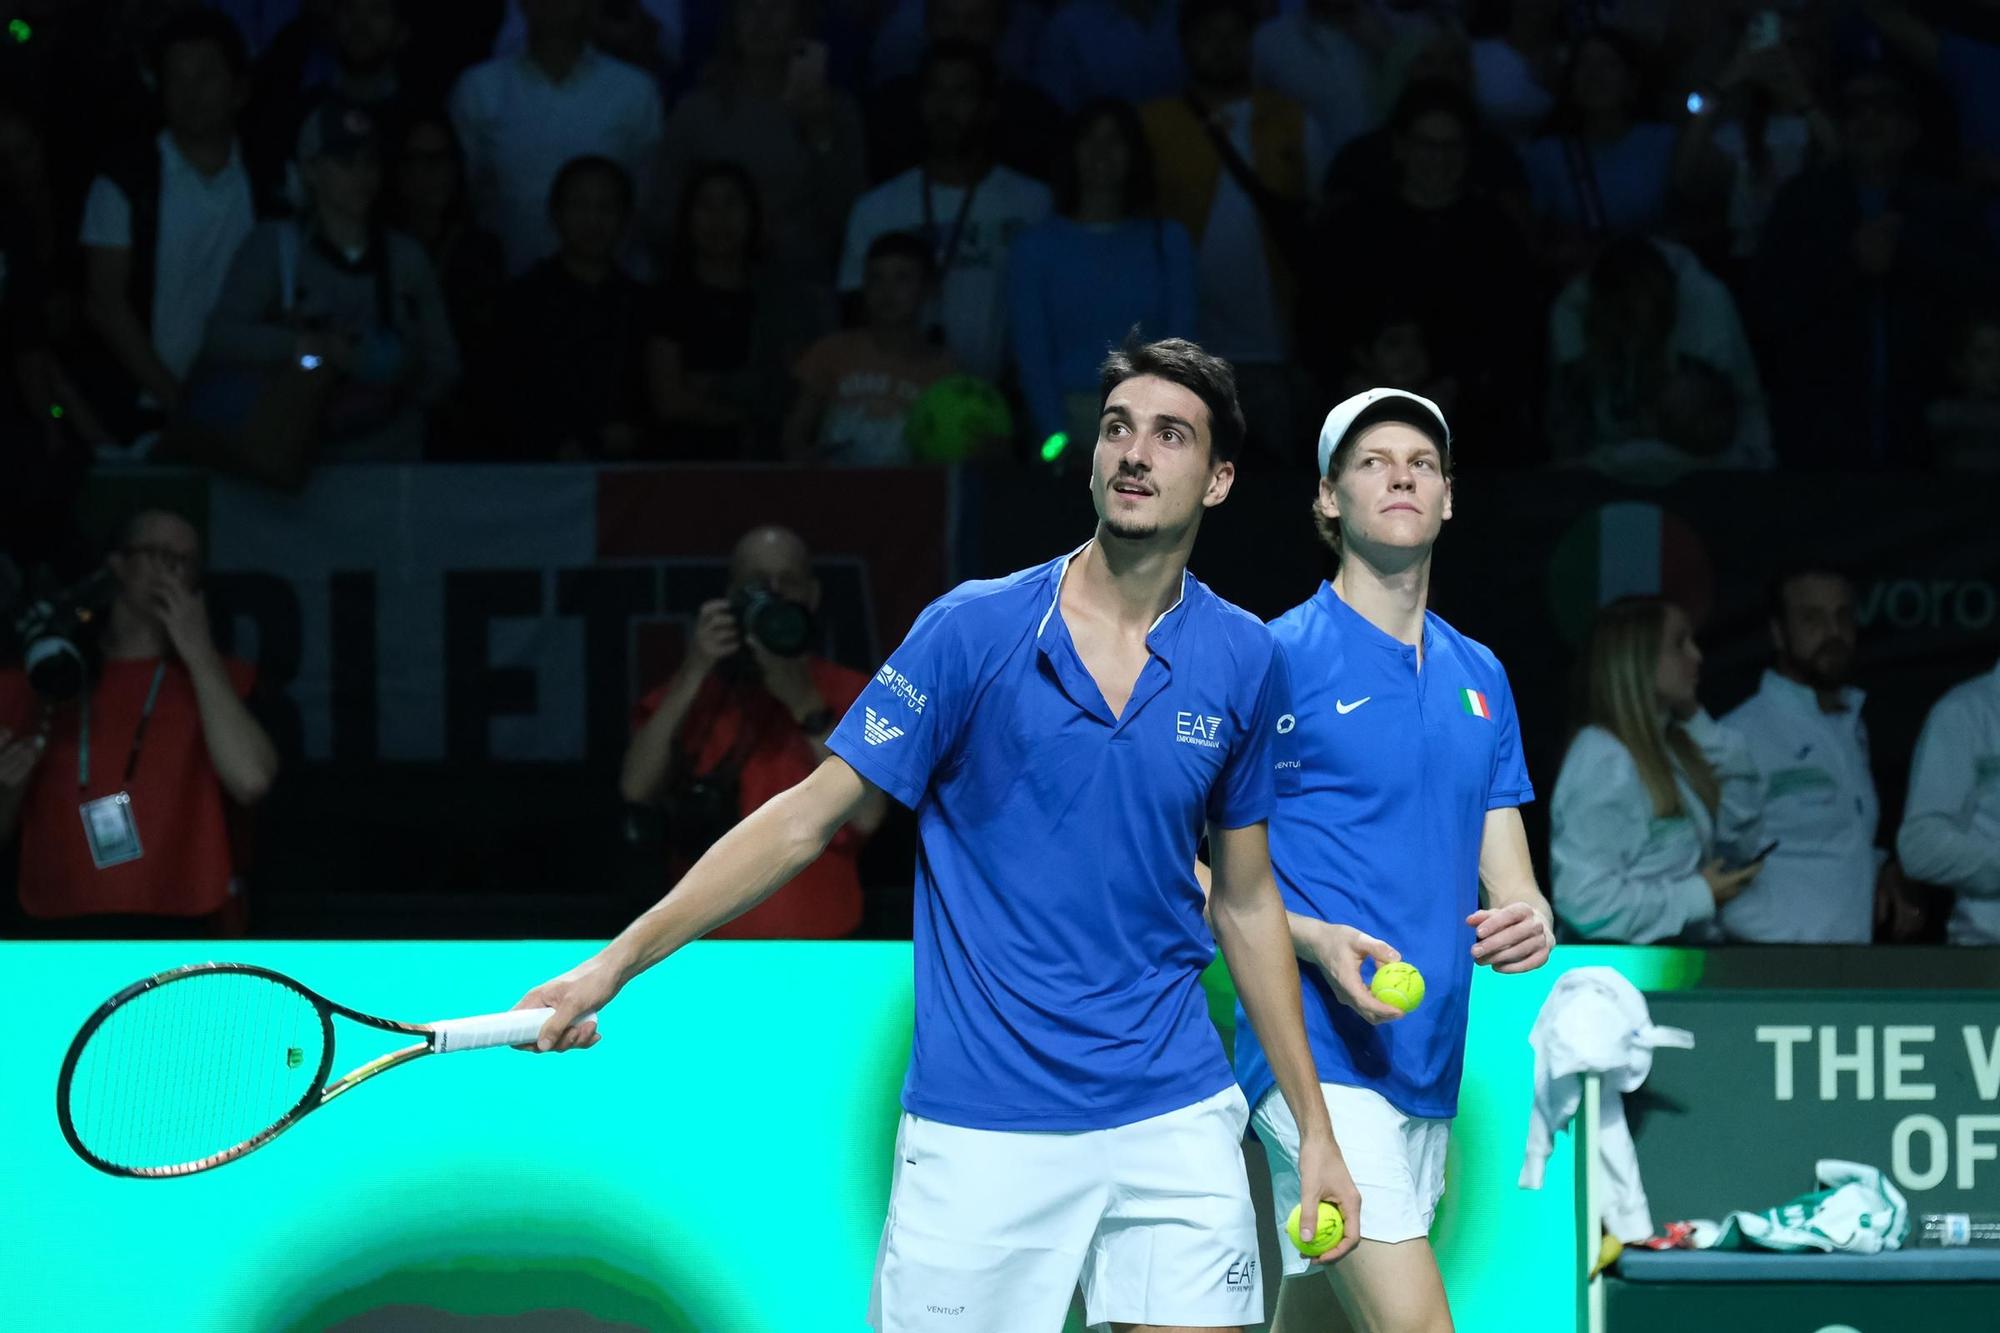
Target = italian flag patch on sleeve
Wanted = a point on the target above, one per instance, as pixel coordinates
(1473, 702)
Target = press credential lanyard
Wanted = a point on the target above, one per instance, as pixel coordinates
(946, 248)
(138, 736)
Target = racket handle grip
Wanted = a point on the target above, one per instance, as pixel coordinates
(516, 1027)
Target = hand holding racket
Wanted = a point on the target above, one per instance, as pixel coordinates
(569, 1004)
(194, 1068)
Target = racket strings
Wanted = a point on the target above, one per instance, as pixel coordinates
(194, 1067)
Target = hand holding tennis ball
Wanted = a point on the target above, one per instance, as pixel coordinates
(1341, 952)
(1326, 1234)
(1399, 984)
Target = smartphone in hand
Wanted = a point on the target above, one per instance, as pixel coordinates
(1762, 852)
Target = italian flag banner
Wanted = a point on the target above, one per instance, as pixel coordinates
(1473, 702)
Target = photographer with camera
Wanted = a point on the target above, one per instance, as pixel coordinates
(121, 791)
(745, 717)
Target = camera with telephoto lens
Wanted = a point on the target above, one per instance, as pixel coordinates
(783, 626)
(54, 627)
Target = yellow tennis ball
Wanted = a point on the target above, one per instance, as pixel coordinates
(1398, 984)
(1325, 1236)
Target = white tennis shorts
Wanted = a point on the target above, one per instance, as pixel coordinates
(990, 1231)
(1397, 1162)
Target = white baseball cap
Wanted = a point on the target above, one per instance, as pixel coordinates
(1373, 405)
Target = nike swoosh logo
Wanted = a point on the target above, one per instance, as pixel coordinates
(1345, 708)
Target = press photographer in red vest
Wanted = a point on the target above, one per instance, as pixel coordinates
(121, 792)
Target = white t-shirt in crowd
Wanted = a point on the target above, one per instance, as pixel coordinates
(972, 303)
(518, 129)
(202, 221)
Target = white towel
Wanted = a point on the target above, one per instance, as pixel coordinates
(1595, 1021)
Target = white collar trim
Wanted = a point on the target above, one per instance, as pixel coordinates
(1056, 600)
(1063, 574)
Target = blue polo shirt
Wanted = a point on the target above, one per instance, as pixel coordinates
(1059, 933)
(1397, 769)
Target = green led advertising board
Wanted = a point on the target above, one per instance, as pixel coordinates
(720, 1162)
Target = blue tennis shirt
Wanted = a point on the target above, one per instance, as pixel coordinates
(1059, 933)
(1397, 769)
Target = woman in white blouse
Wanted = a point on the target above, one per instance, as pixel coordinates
(1656, 813)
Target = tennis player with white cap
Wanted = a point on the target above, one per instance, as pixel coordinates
(1404, 822)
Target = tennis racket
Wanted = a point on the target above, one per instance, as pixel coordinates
(199, 1066)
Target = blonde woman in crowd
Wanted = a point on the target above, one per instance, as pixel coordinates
(1657, 808)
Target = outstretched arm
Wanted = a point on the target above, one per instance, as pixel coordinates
(748, 864)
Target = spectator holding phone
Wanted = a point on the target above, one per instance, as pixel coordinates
(1805, 731)
(1766, 123)
(1655, 824)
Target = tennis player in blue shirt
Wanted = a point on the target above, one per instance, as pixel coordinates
(1404, 825)
(1065, 735)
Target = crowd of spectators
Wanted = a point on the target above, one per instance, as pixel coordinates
(1634, 236)
(1764, 827)
(1640, 237)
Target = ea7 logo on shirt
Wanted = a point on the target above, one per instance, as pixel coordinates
(1241, 1274)
(875, 728)
(1195, 729)
(903, 688)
